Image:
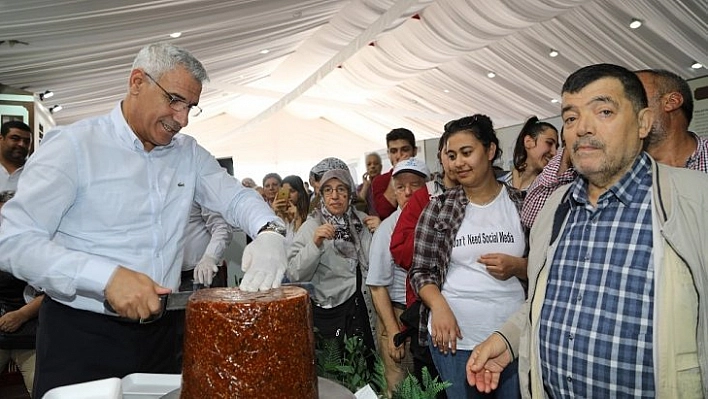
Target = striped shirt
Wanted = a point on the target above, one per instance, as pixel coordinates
(596, 329)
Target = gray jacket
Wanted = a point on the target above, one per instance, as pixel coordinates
(332, 275)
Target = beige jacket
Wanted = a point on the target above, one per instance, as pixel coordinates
(680, 219)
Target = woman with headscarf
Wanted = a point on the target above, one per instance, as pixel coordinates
(331, 251)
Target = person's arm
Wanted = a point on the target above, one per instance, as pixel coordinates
(221, 234)
(503, 266)
(364, 188)
(424, 278)
(444, 329)
(264, 259)
(49, 186)
(382, 304)
(379, 278)
(403, 234)
(304, 254)
(11, 321)
(220, 237)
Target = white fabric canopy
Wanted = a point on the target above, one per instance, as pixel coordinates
(338, 75)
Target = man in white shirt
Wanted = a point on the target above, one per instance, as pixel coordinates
(15, 142)
(99, 220)
(388, 280)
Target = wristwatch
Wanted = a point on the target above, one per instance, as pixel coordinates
(273, 226)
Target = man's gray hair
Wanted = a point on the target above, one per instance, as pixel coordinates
(158, 58)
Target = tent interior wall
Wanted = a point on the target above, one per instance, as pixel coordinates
(294, 81)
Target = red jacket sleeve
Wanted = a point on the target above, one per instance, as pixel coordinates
(404, 232)
(383, 208)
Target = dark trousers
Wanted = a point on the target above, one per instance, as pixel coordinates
(75, 346)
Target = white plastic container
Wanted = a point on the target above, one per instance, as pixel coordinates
(109, 388)
(149, 386)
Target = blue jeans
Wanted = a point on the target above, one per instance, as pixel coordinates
(452, 368)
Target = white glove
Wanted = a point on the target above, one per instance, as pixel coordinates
(264, 262)
(205, 270)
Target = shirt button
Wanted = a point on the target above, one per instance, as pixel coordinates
(569, 379)
(570, 336)
(580, 297)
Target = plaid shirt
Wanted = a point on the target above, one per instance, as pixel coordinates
(596, 324)
(543, 186)
(699, 159)
(434, 235)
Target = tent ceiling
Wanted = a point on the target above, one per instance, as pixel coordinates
(338, 74)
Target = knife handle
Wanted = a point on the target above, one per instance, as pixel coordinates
(153, 317)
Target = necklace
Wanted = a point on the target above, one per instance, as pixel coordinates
(489, 200)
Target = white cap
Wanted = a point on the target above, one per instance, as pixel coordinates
(413, 165)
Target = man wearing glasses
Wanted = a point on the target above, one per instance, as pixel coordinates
(99, 222)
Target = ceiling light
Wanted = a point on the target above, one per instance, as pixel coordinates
(175, 35)
(696, 65)
(491, 74)
(446, 91)
(636, 23)
(554, 100)
(56, 108)
(46, 94)
(553, 53)
(266, 51)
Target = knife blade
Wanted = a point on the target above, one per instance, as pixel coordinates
(178, 301)
(171, 301)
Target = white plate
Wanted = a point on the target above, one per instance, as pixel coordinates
(149, 386)
(109, 388)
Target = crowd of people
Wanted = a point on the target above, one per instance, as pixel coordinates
(582, 271)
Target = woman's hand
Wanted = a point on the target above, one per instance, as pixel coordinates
(444, 329)
(11, 321)
(372, 223)
(323, 232)
(503, 266)
(280, 208)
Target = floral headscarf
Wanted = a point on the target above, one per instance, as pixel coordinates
(347, 226)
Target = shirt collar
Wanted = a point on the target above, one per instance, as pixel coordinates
(624, 190)
(126, 134)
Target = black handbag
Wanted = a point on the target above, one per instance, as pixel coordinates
(349, 319)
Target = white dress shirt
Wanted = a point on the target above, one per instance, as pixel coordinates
(8, 181)
(91, 198)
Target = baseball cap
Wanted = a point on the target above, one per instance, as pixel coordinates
(413, 165)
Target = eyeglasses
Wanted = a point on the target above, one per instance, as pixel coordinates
(341, 190)
(177, 103)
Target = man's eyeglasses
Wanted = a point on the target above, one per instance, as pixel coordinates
(341, 190)
(177, 103)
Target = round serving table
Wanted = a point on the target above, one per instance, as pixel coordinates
(327, 390)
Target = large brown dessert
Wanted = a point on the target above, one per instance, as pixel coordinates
(249, 345)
